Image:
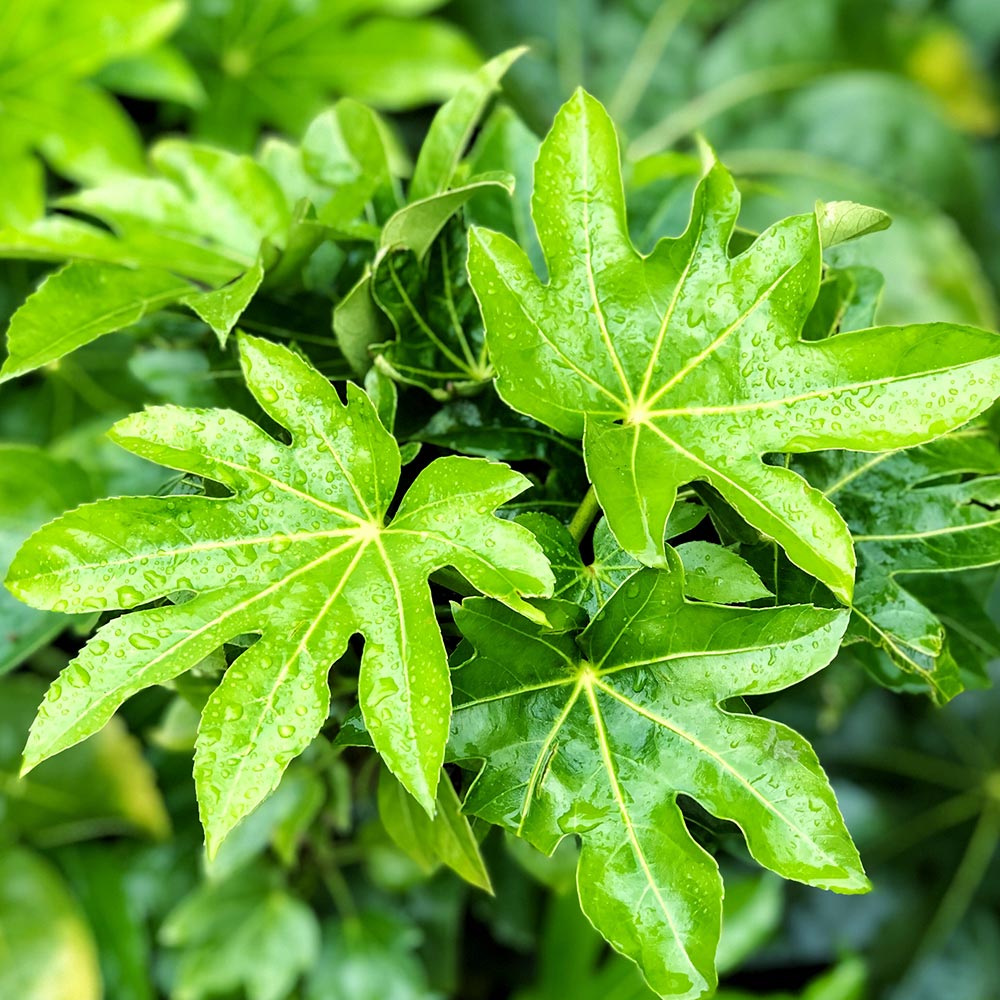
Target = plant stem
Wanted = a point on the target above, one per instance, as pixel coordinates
(584, 516)
(968, 875)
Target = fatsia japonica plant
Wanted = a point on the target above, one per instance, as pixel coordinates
(769, 485)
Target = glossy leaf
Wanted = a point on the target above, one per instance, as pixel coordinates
(80, 303)
(688, 364)
(912, 512)
(439, 343)
(301, 555)
(558, 722)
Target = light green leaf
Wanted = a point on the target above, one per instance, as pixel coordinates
(80, 303)
(160, 74)
(222, 307)
(34, 488)
(688, 365)
(302, 556)
(717, 574)
(242, 934)
(840, 221)
(451, 130)
(557, 722)
(104, 787)
(446, 838)
(416, 225)
(46, 948)
(347, 151)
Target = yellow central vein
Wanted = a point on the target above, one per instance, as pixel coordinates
(721, 761)
(714, 346)
(616, 790)
(588, 258)
(543, 754)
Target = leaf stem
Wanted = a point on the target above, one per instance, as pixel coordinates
(976, 859)
(584, 516)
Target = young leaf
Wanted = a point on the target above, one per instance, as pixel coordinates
(911, 513)
(688, 364)
(446, 838)
(439, 343)
(80, 303)
(301, 555)
(453, 125)
(590, 585)
(597, 736)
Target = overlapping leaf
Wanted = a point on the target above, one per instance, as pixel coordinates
(598, 735)
(913, 512)
(440, 187)
(299, 554)
(688, 364)
(196, 236)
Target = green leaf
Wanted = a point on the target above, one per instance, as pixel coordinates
(590, 585)
(222, 307)
(439, 342)
(841, 221)
(688, 364)
(560, 722)
(103, 787)
(347, 150)
(452, 128)
(446, 838)
(50, 49)
(280, 65)
(46, 948)
(370, 958)
(911, 512)
(205, 216)
(716, 574)
(244, 933)
(80, 303)
(34, 488)
(416, 225)
(302, 556)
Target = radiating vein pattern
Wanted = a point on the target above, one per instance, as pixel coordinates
(688, 364)
(597, 734)
(300, 556)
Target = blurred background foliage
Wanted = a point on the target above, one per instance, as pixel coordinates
(103, 887)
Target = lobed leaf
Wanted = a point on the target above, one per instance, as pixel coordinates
(301, 555)
(688, 364)
(598, 735)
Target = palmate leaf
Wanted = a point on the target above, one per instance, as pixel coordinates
(196, 236)
(912, 512)
(688, 365)
(299, 554)
(596, 735)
